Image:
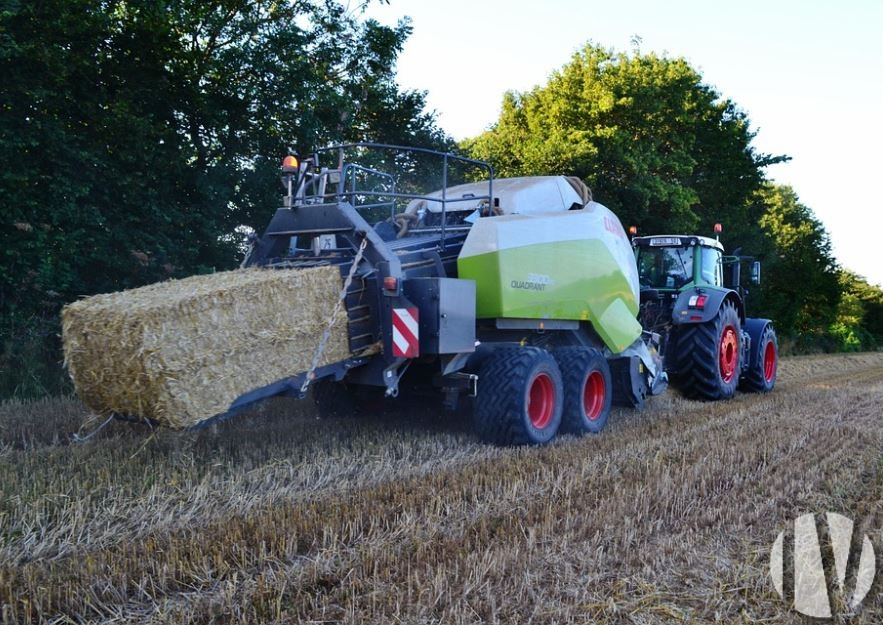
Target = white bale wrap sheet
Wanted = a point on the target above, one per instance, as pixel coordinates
(181, 351)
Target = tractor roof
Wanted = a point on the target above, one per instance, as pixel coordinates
(675, 240)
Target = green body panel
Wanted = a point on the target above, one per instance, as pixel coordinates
(574, 280)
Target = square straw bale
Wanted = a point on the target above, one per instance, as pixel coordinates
(181, 351)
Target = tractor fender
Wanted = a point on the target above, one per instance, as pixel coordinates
(682, 314)
(755, 329)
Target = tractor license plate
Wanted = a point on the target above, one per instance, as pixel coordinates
(664, 241)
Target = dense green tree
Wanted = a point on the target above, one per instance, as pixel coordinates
(657, 145)
(859, 321)
(137, 135)
(801, 288)
(871, 298)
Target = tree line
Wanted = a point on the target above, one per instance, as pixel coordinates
(668, 154)
(138, 136)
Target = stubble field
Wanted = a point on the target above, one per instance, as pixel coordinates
(276, 516)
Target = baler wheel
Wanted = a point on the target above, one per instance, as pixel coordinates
(520, 397)
(588, 389)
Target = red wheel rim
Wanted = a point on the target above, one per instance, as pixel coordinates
(541, 401)
(593, 395)
(729, 353)
(769, 362)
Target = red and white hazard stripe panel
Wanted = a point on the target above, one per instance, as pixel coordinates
(405, 333)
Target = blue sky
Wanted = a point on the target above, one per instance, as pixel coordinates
(809, 75)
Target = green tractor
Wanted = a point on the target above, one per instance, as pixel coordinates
(691, 296)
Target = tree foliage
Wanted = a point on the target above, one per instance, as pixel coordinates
(656, 144)
(801, 289)
(859, 321)
(137, 135)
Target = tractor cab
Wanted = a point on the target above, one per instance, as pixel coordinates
(673, 262)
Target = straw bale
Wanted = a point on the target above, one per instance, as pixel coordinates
(181, 351)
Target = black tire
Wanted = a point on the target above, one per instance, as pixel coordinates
(707, 356)
(588, 389)
(760, 377)
(520, 397)
(334, 399)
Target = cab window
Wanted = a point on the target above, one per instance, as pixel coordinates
(712, 268)
(665, 267)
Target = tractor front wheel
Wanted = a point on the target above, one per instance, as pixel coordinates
(761, 374)
(520, 397)
(708, 358)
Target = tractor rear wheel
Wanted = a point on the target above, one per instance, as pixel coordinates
(761, 374)
(588, 389)
(707, 356)
(520, 397)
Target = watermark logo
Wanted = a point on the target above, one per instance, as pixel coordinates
(854, 566)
